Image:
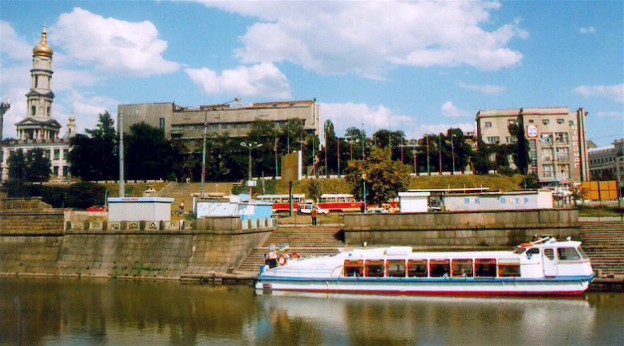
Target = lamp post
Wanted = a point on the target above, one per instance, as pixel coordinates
(364, 190)
(453, 153)
(4, 107)
(203, 173)
(250, 146)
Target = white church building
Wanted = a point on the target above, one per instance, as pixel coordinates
(39, 129)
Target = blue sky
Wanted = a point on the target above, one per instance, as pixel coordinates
(420, 67)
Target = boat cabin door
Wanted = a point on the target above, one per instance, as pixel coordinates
(550, 262)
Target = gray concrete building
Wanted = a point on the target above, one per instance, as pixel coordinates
(556, 136)
(607, 159)
(187, 124)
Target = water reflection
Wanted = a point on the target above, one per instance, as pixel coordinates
(118, 312)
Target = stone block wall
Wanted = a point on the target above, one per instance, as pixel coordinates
(463, 229)
(19, 222)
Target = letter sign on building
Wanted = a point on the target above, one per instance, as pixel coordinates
(532, 131)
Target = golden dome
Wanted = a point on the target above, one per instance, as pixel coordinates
(42, 48)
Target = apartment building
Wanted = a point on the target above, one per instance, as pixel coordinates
(556, 137)
(607, 159)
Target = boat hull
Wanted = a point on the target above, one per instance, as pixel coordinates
(568, 286)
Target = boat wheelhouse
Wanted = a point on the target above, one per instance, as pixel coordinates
(545, 268)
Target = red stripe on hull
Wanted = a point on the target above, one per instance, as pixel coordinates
(442, 293)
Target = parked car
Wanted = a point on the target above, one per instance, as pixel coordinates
(97, 209)
(306, 208)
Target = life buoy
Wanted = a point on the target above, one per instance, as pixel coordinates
(281, 260)
(295, 255)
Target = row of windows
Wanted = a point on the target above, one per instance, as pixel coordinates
(483, 267)
(560, 121)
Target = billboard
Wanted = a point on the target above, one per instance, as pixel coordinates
(291, 166)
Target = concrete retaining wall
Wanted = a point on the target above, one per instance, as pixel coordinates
(125, 255)
(464, 229)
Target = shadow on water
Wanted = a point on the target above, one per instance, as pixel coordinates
(64, 311)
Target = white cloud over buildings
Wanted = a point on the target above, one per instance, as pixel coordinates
(336, 37)
(260, 81)
(111, 45)
(612, 92)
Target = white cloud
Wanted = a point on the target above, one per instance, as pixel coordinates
(369, 38)
(13, 46)
(587, 30)
(452, 111)
(262, 81)
(612, 92)
(611, 115)
(111, 45)
(486, 89)
(375, 118)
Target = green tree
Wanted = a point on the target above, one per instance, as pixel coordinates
(94, 156)
(520, 149)
(481, 162)
(315, 190)
(384, 177)
(17, 166)
(264, 133)
(149, 154)
(37, 166)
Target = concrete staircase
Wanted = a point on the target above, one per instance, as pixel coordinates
(307, 241)
(604, 244)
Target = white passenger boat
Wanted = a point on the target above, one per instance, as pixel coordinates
(546, 267)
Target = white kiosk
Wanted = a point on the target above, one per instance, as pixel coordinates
(139, 208)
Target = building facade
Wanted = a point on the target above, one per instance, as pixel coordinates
(187, 124)
(556, 136)
(608, 160)
(39, 129)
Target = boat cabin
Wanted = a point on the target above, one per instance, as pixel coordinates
(546, 258)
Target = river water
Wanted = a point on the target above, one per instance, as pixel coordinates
(109, 312)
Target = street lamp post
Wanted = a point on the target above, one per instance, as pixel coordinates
(250, 146)
(453, 153)
(203, 173)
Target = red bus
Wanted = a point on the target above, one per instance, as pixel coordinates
(281, 203)
(340, 202)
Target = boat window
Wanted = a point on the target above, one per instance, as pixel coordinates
(439, 268)
(485, 267)
(417, 268)
(550, 253)
(462, 268)
(567, 254)
(395, 268)
(508, 269)
(353, 268)
(520, 250)
(374, 268)
(581, 252)
(532, 251)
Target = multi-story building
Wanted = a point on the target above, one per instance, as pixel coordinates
(39, 129)
(556, 137)
(187, 124)
(607, 160)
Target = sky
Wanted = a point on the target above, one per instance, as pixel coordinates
(414, 66)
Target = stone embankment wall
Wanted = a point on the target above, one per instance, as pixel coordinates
(460, 229)
(35, 240)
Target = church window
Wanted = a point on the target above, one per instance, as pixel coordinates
(33, 110)
(48, 111)
(36, 81)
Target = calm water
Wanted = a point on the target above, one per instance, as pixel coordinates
(80, 312)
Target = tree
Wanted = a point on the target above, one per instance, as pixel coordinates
(37, 166)
(264, 133)
(314, 190)
(94, 157)
(329, 153)
(384, 177)
(520, 148)
(149, 154)
(17, 166)
(481, 159)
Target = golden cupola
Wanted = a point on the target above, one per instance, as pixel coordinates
(42, 49)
